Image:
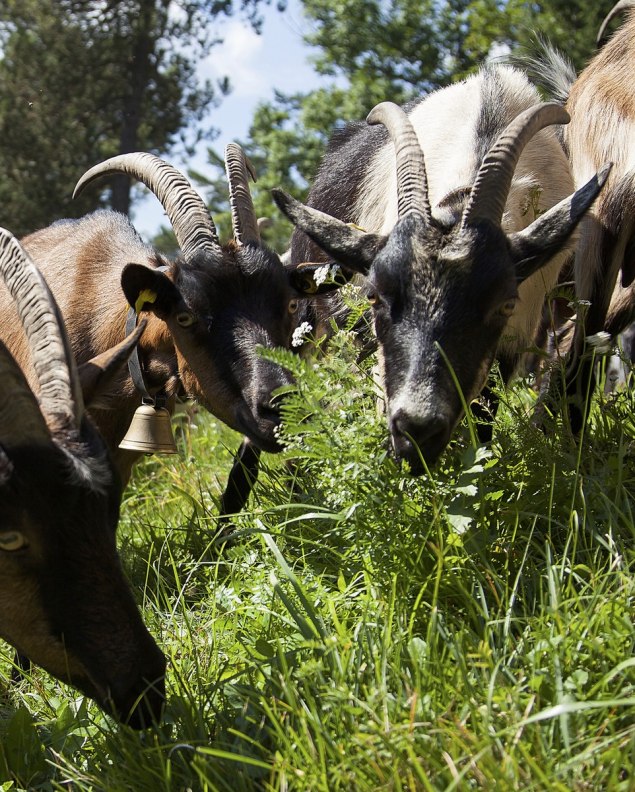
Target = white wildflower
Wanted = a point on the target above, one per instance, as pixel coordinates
(601, 342)
(297, 339)
(321, 274)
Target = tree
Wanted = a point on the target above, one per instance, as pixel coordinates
(82, 80)
(370, 50)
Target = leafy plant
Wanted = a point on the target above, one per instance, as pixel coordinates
(363, 629)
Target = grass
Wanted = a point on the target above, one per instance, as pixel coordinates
(365, 630)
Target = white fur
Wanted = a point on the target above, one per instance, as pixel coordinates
(446, 125)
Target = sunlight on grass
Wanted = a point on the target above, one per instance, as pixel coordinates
(363, 629)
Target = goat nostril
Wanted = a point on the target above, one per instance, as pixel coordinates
(415, 436)
(420, 428)
(143, 705)
(268, 407)
(268, 412)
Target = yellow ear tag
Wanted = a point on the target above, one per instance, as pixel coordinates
(356, 227)
(145, 296)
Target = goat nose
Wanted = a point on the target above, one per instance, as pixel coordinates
(420, 437)
(141, 703)
(267, 409)
(147, 707)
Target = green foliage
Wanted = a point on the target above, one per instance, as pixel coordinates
(369, 51)
(82, 81)
(363, 629)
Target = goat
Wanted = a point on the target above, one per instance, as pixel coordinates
(459, 250)
(601, 104)
(64, 601)
(207, 311)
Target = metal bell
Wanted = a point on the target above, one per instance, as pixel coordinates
(150, 431)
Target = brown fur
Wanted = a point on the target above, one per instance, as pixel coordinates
(64, 601)
(82, 285)
(207, 318)
(601, 104)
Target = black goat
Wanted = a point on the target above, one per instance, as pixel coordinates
(208, 311)
(459, 251)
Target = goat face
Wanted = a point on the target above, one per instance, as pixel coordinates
(442, 294)
(219, 316)
(221, 303)
(440, 308)
(64, 601)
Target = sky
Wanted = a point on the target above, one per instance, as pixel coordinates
(277, 59)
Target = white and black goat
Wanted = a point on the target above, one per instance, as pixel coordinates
(601, 104)
(208, 311)
(462, 239)
(64, 601)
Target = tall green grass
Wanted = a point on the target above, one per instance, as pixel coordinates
(362, 629)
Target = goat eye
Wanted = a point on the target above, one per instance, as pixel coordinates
(507, 308)
(293, 306)
(185, 319)
(12, 541)
(372, 298)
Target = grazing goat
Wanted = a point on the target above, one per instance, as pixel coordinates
(207, 311)
(64, 601)
(601, 104)
(459, 251)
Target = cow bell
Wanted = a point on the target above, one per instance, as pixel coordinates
(150, 431)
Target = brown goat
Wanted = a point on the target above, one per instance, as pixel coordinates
(601, 103)
(207, 311)
(64, 601)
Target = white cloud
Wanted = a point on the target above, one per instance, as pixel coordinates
(240, 57)
(256, 65)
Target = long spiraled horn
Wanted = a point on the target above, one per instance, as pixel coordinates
(494, 179)
(193, 226)
(618, 8)
(58, 389)
(412, 182)
(239, 169)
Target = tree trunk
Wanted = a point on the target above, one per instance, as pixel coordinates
(139, 70)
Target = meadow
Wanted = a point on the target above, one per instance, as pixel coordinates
(360, 629)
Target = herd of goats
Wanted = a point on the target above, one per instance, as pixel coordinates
(461, 212)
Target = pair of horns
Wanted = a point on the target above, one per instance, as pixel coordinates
(191, 221)
(493, 181)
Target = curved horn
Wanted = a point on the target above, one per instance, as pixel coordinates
(618, 8)
(239, 169)
(193, 227)
(58, 384)
(412, 182)
(494, 179)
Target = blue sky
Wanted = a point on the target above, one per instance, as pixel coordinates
(277, 59)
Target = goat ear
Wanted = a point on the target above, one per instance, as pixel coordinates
(350, 246)
(311, 279)
(148, 289)
(535, 245)
(98, 376)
